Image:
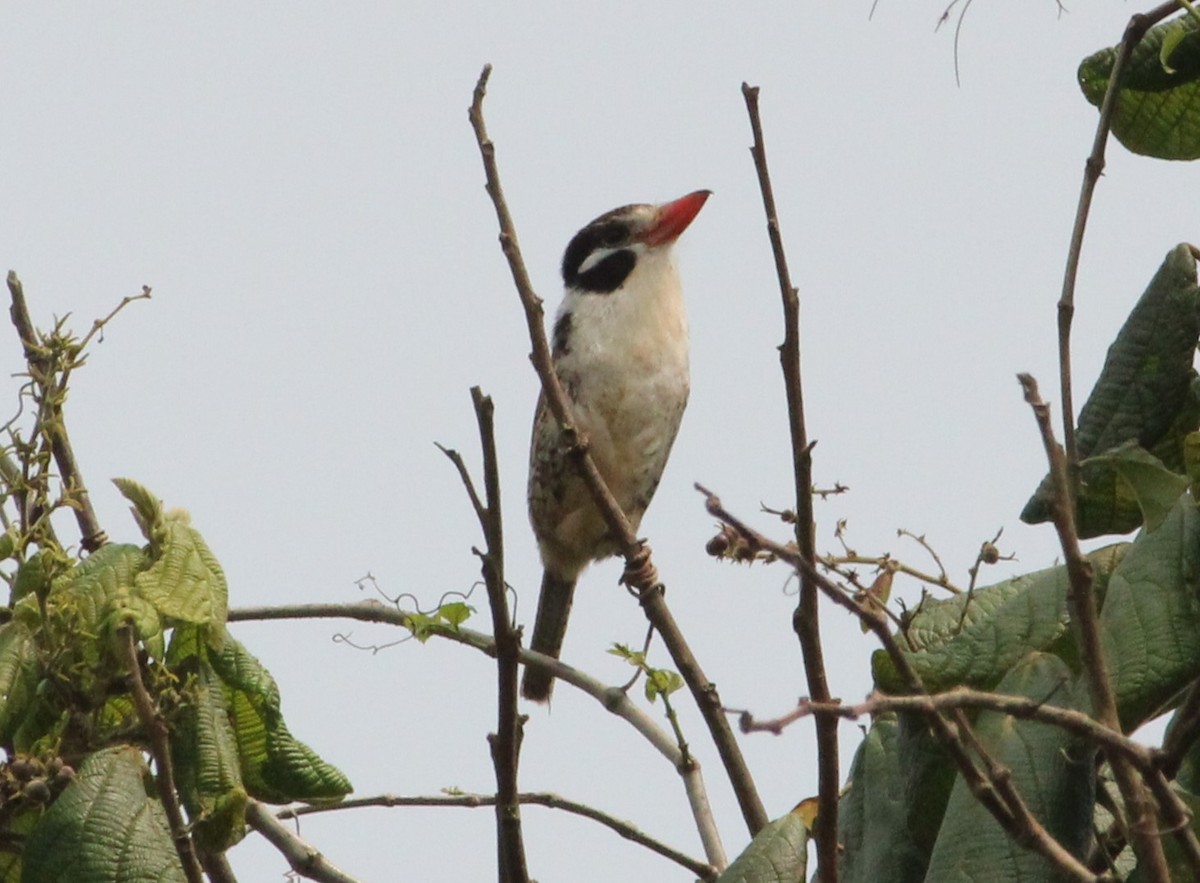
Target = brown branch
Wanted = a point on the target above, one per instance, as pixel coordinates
(1085, 622)
(1092, 170)
(535, 798)
(1069, 719)
(614, 699)
(160, 749)
(639, 568)
(50, 393)
(1178, 817)
(216, 867)
(806, 619)
(506, 742)
(305, 860)
(1005, 804)
(1185, 730)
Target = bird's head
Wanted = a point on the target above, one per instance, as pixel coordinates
(601, 256)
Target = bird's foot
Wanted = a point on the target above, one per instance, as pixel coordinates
(640, 573)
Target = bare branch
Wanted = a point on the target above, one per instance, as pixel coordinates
(305, 860)
(612, 699)
(1085, 622)
(806, 619)
(506, 742)
(1005, 804)
(535, 798)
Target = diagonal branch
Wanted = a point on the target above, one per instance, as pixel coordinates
(305, 860)
(806, 620)
(50, 395)
(651, 593)
(1002, 800)
(1085, 622)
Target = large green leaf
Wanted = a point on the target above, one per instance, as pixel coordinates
(777, 854)
(1052, 770)
(204, 748)
(19, 674)
(276, 767)
(1000, 626)
(99, 595)
(104, 828)
(1158, 105)
(1147, 394)
(873, 813)
(1151, 617)
(186, 581)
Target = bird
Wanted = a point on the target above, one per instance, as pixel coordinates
(619, 347)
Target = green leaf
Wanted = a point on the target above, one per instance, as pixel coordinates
(777, 854)
(1052, 770)
(104, 828)
(33, 578)
(1143, 477)
(661, 682)
(1172, 37)
(275, 766)
(186, 581)
(147, 509)
(1158, 106)
(455, 613)
(97, 584)
(204, 747)
(19, 675)
(1151, 617)
(873, 823)
(1000, 626)
(1148, 393)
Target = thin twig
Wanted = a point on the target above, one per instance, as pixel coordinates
(1184, 732)
(506, 742)
(1005, 805)
(1092, 170)
(806, 620)
(613, 699)
(305, 860)
(1085, 621)
(535, 798)
(477, 504)
(160, 749)
(638, 561)
(942, 582)
(1069, 719)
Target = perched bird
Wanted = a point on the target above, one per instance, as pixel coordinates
(620, 350)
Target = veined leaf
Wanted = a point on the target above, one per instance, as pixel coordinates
(276, 767)
(1148, 394)
(186, 582)
(1158, 105)
(777, 854)
(104, 828)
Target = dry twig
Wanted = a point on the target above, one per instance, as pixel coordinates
(806, 620)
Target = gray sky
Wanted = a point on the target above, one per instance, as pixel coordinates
(299, 185)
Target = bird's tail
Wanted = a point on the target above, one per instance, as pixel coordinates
(549, 629)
